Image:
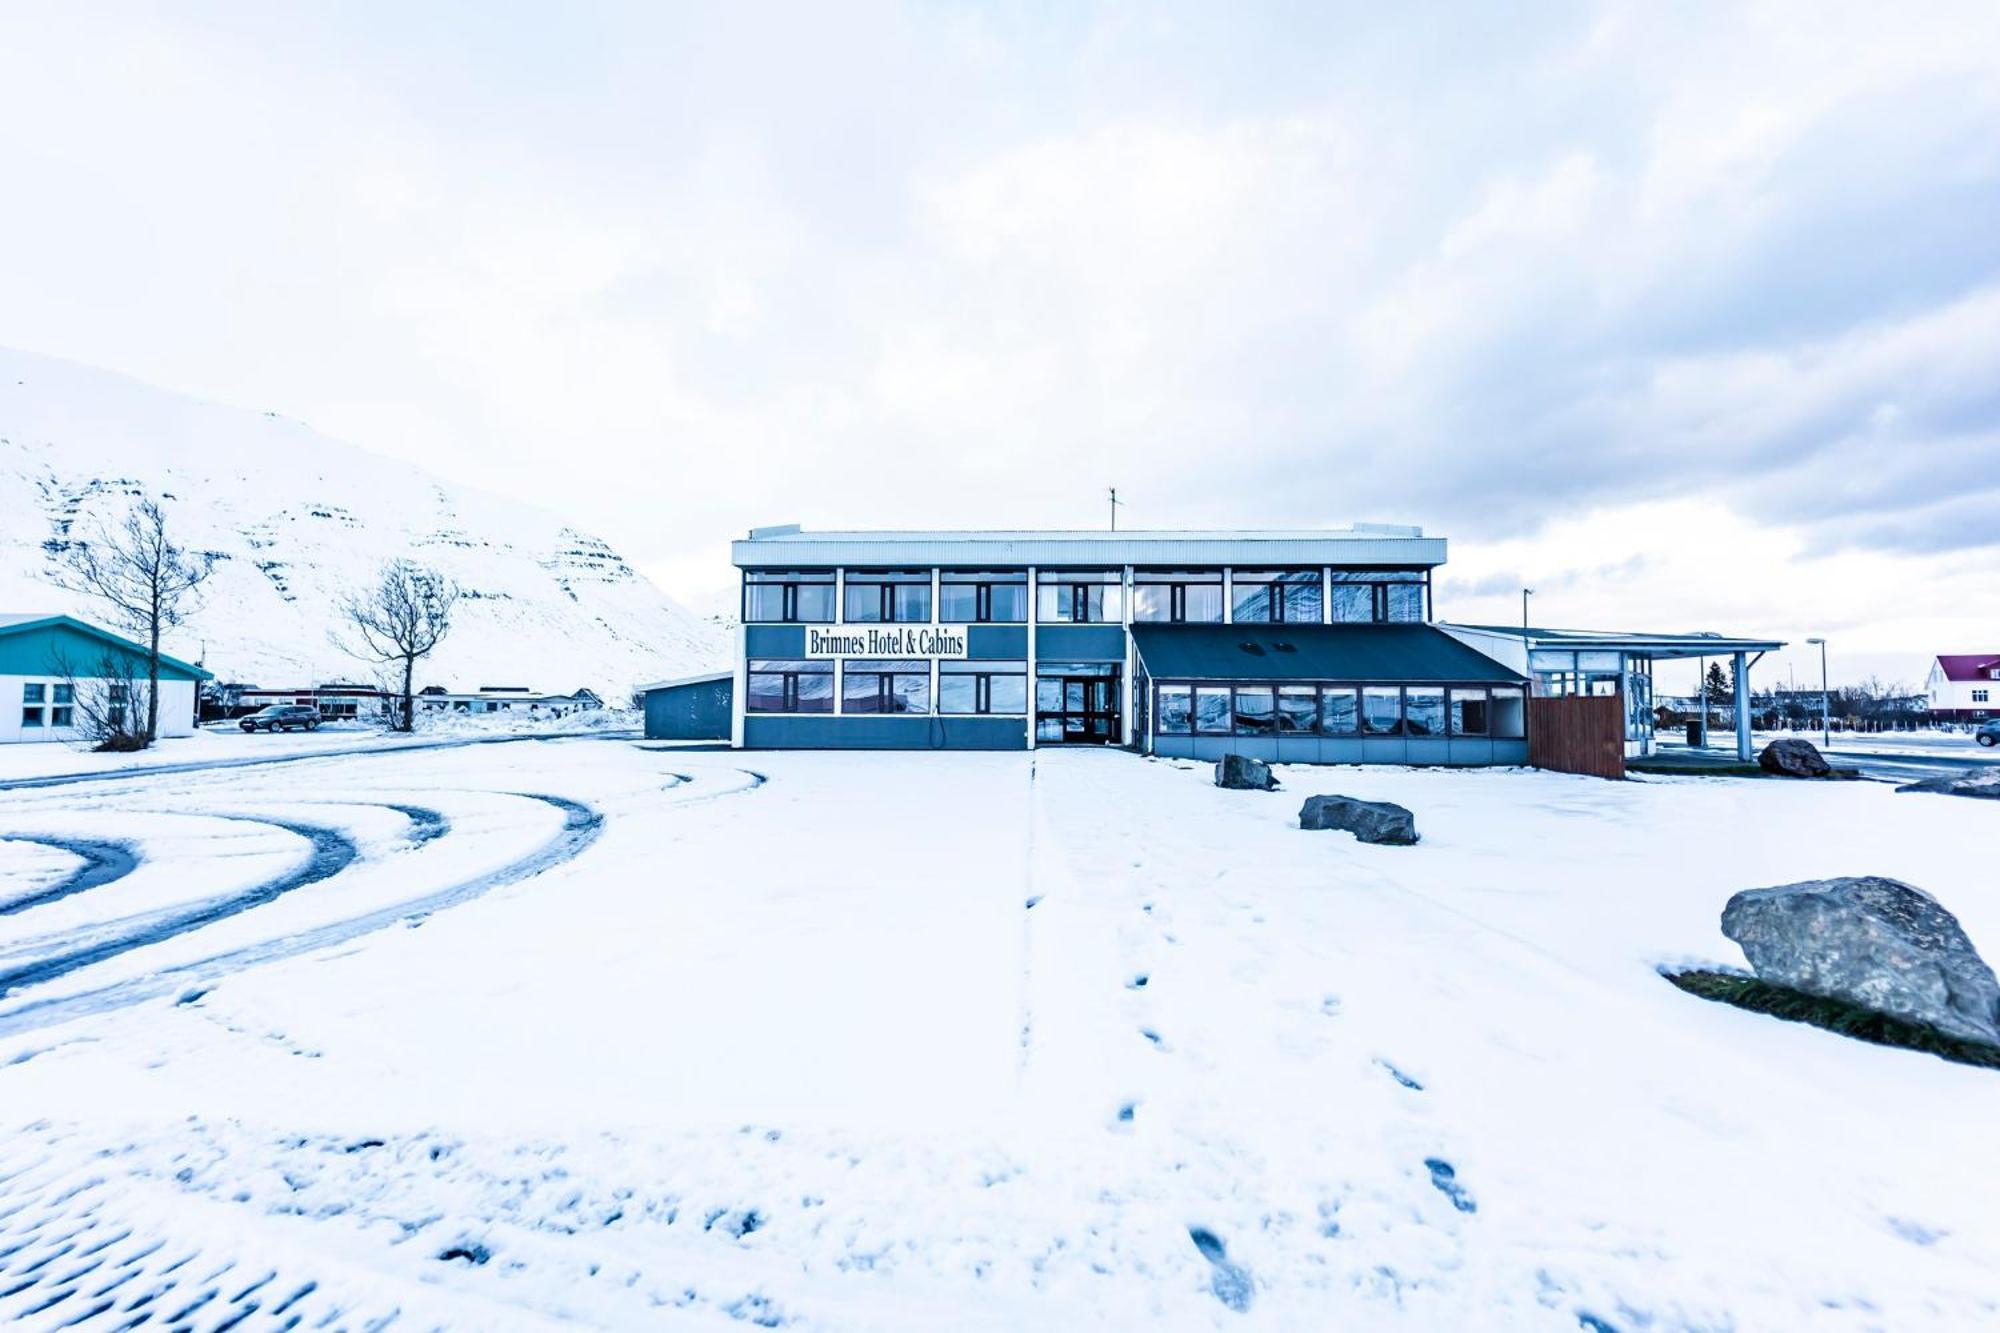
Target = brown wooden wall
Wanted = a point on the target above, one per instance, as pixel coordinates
(1581, 734)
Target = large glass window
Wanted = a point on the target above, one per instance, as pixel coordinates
(1383, 595)
(34, 695)
(1510, 721)
(1178, 596)
(1382, 711)
(798, 596)
(1176, 710)
(1256, 712)
(1079, 596)
(1423, 711)
(1339, 713)
(1211, 710)
(1469, 716)
(984, 597)
(983, 687)
(1271, 595)
(783, 685)
(1298, 709)
(885, 685)
(876, 596)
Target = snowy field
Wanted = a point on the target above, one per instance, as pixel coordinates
(581, 1032)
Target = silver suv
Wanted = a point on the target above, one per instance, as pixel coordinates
(283, 717)
(1988, 733)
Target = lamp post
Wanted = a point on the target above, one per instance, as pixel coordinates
(1825, 724)
(1526, 593)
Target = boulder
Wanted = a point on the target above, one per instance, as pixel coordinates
(1877, 943)
(1243, 774)
(1980, 785)
(1368, 821)
(1794, 758)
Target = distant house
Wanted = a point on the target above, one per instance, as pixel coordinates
(1964, 687)
(55, 669)
(505, 699)
(336, 700)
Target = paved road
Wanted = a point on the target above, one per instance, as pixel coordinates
(1902, 764)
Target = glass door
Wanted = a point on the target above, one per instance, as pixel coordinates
(1076, 704)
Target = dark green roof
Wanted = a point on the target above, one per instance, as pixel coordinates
(43, 630)
(1312, 652)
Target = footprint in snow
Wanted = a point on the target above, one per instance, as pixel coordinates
(1400, 1076)
(1445, 1177)
(1230, 1281)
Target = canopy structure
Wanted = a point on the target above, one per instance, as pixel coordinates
(1408, 654)
(1581, 660)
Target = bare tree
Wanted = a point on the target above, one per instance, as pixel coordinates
(145, 579)
(100, 699)
(400, 620)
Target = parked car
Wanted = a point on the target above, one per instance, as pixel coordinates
(1988, 733)
(283, 717)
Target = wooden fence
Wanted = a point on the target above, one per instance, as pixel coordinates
(1579, 734)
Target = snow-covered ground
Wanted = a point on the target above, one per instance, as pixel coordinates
(956, 1041)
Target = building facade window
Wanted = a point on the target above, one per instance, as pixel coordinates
(780, 685)
(888, 596)
(1423, 711)
(1470, 711)
(1068, 596)
(34, 701)
(1979, 696)
(973, 687)
(997, 597)
(1180, 597)
(1385, 596)
(1272, 596)
(885, 685)
(788, 596)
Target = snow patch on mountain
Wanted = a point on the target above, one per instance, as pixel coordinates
(297, 521)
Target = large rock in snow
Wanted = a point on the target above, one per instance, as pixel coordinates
(1985, 785)
(1369, 821)
(1794, 758)
(1878, 943)
(1242, 774)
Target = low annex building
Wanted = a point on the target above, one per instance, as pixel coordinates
(53, 667)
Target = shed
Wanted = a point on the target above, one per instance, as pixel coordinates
(690, 708)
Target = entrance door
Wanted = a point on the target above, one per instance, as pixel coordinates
(1076, 709)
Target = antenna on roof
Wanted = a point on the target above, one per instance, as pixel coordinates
(1114, 508)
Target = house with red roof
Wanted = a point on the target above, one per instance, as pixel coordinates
(1964, 687)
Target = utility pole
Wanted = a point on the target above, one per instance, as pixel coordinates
(1114, 509)
(1526, 593)
(1825, 713)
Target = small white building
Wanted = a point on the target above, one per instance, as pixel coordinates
(1964, 687)
(53, 669)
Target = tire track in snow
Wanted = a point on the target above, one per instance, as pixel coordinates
(582, 825)
(104, 862)
(332, 852)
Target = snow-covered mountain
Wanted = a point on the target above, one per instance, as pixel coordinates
(296, 522)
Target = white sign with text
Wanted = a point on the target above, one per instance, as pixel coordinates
(842, 641)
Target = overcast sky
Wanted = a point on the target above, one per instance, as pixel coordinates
(1688, 316)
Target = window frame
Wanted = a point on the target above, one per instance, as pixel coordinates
(788, 689)
(885, 686)
(1073, 588)
(886, 582)
(1355, 693)
(981, 671)
(789, 581)
(1176, 582)
(983, 582)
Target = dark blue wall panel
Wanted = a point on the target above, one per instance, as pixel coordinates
(1001, 641)
(697, 712)
(821, 732)
(1079, 643)
(775, 640)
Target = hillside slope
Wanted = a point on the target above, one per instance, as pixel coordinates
(296, 521)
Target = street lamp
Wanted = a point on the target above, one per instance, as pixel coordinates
(1526, 593)
(1825, 726)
